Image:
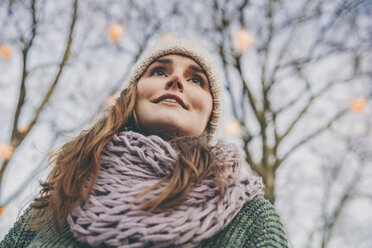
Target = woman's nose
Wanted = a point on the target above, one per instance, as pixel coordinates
(175, 81)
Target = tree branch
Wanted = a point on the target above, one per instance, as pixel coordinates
(14, 139)
(310, 136)
(18, 137)
(309, 104)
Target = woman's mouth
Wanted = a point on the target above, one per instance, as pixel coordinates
(171, 99)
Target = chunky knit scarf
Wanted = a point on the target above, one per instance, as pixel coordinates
(132, 162)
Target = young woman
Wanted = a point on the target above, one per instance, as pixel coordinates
(147, 173)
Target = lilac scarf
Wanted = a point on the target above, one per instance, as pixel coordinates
(132, 162)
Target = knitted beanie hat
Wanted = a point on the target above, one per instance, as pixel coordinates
(200, 56)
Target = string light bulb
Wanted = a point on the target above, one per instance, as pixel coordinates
(167, 36)
(244, 39)
(5, 51)
(233, 129)
(115, 31)
(6, 151)
(358, 105)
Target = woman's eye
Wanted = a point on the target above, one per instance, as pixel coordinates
(158, 72)
(197, 80)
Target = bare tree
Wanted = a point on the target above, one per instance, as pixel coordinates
(79, 48)
(282, 62)
(343, 176)
(285, 61)
(26, 40)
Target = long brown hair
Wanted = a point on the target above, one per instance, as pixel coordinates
(77, 165)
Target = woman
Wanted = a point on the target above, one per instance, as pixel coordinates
(147, 175)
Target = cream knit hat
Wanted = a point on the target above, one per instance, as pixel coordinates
(200, 56)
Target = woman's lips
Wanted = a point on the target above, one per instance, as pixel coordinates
(171, 99)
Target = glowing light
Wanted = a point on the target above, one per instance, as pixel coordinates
(244, 39)
(5, 51)
(167, 36)
(23, 128)
(2, 210)
(115, 31)
(233, 129)
(6, 151)
(358, 105)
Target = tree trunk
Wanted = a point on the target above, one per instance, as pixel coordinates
(269, 180)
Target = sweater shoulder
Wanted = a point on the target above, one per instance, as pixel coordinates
(256, 225)
(20, 235)
(263, 225)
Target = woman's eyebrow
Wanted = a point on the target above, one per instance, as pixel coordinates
(164, 61)
(198, 70)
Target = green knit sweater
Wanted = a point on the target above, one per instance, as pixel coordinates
(256, 225)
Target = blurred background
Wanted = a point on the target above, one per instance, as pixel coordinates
(298, 90)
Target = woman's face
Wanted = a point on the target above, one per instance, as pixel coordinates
(173, 97)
